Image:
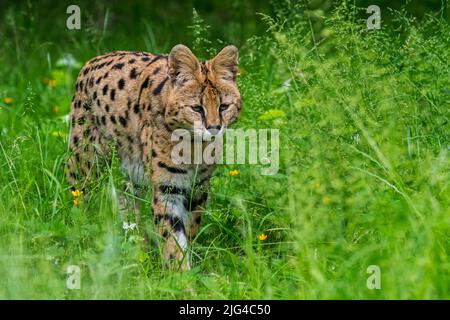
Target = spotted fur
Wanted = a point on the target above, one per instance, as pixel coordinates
(133, 101)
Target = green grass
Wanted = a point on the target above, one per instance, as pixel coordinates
(364, 164)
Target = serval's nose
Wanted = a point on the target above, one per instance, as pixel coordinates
(214, 129)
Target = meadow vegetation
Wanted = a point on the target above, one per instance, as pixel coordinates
(364, 172)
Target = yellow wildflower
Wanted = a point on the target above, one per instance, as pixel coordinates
(234, 173)
(51, 82)
(8, 100)
(262, 237)
(77, 196)
(56, 109)
(77, 193)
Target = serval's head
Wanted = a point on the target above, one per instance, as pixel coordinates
(204, 93)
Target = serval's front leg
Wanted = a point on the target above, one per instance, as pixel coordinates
(171, 217)
(197, 206)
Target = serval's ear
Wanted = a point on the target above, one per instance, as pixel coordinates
(183, 64)
(225, 64)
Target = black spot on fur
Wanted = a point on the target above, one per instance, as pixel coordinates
(80, 121)
(199, 201)
(118, 66)
(105, 89)
(100, 66)
(167, 189)
(167, 127)
(155, 59)
(87, 106)
(176, 223)
(107, 108)
(113, 94)
(170, 169)
(121, 84)
(113, 119)
(145, 83)
(156, 70)
(131, 61)
(133, 73)
(157, 218)
(123, 121)
(87, 132)
(136, 108)
(160, 86)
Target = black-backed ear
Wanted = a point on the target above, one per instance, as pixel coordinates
(182, 63)
(225, 64)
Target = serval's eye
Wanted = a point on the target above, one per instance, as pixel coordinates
(224, 107)
(198, 109)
